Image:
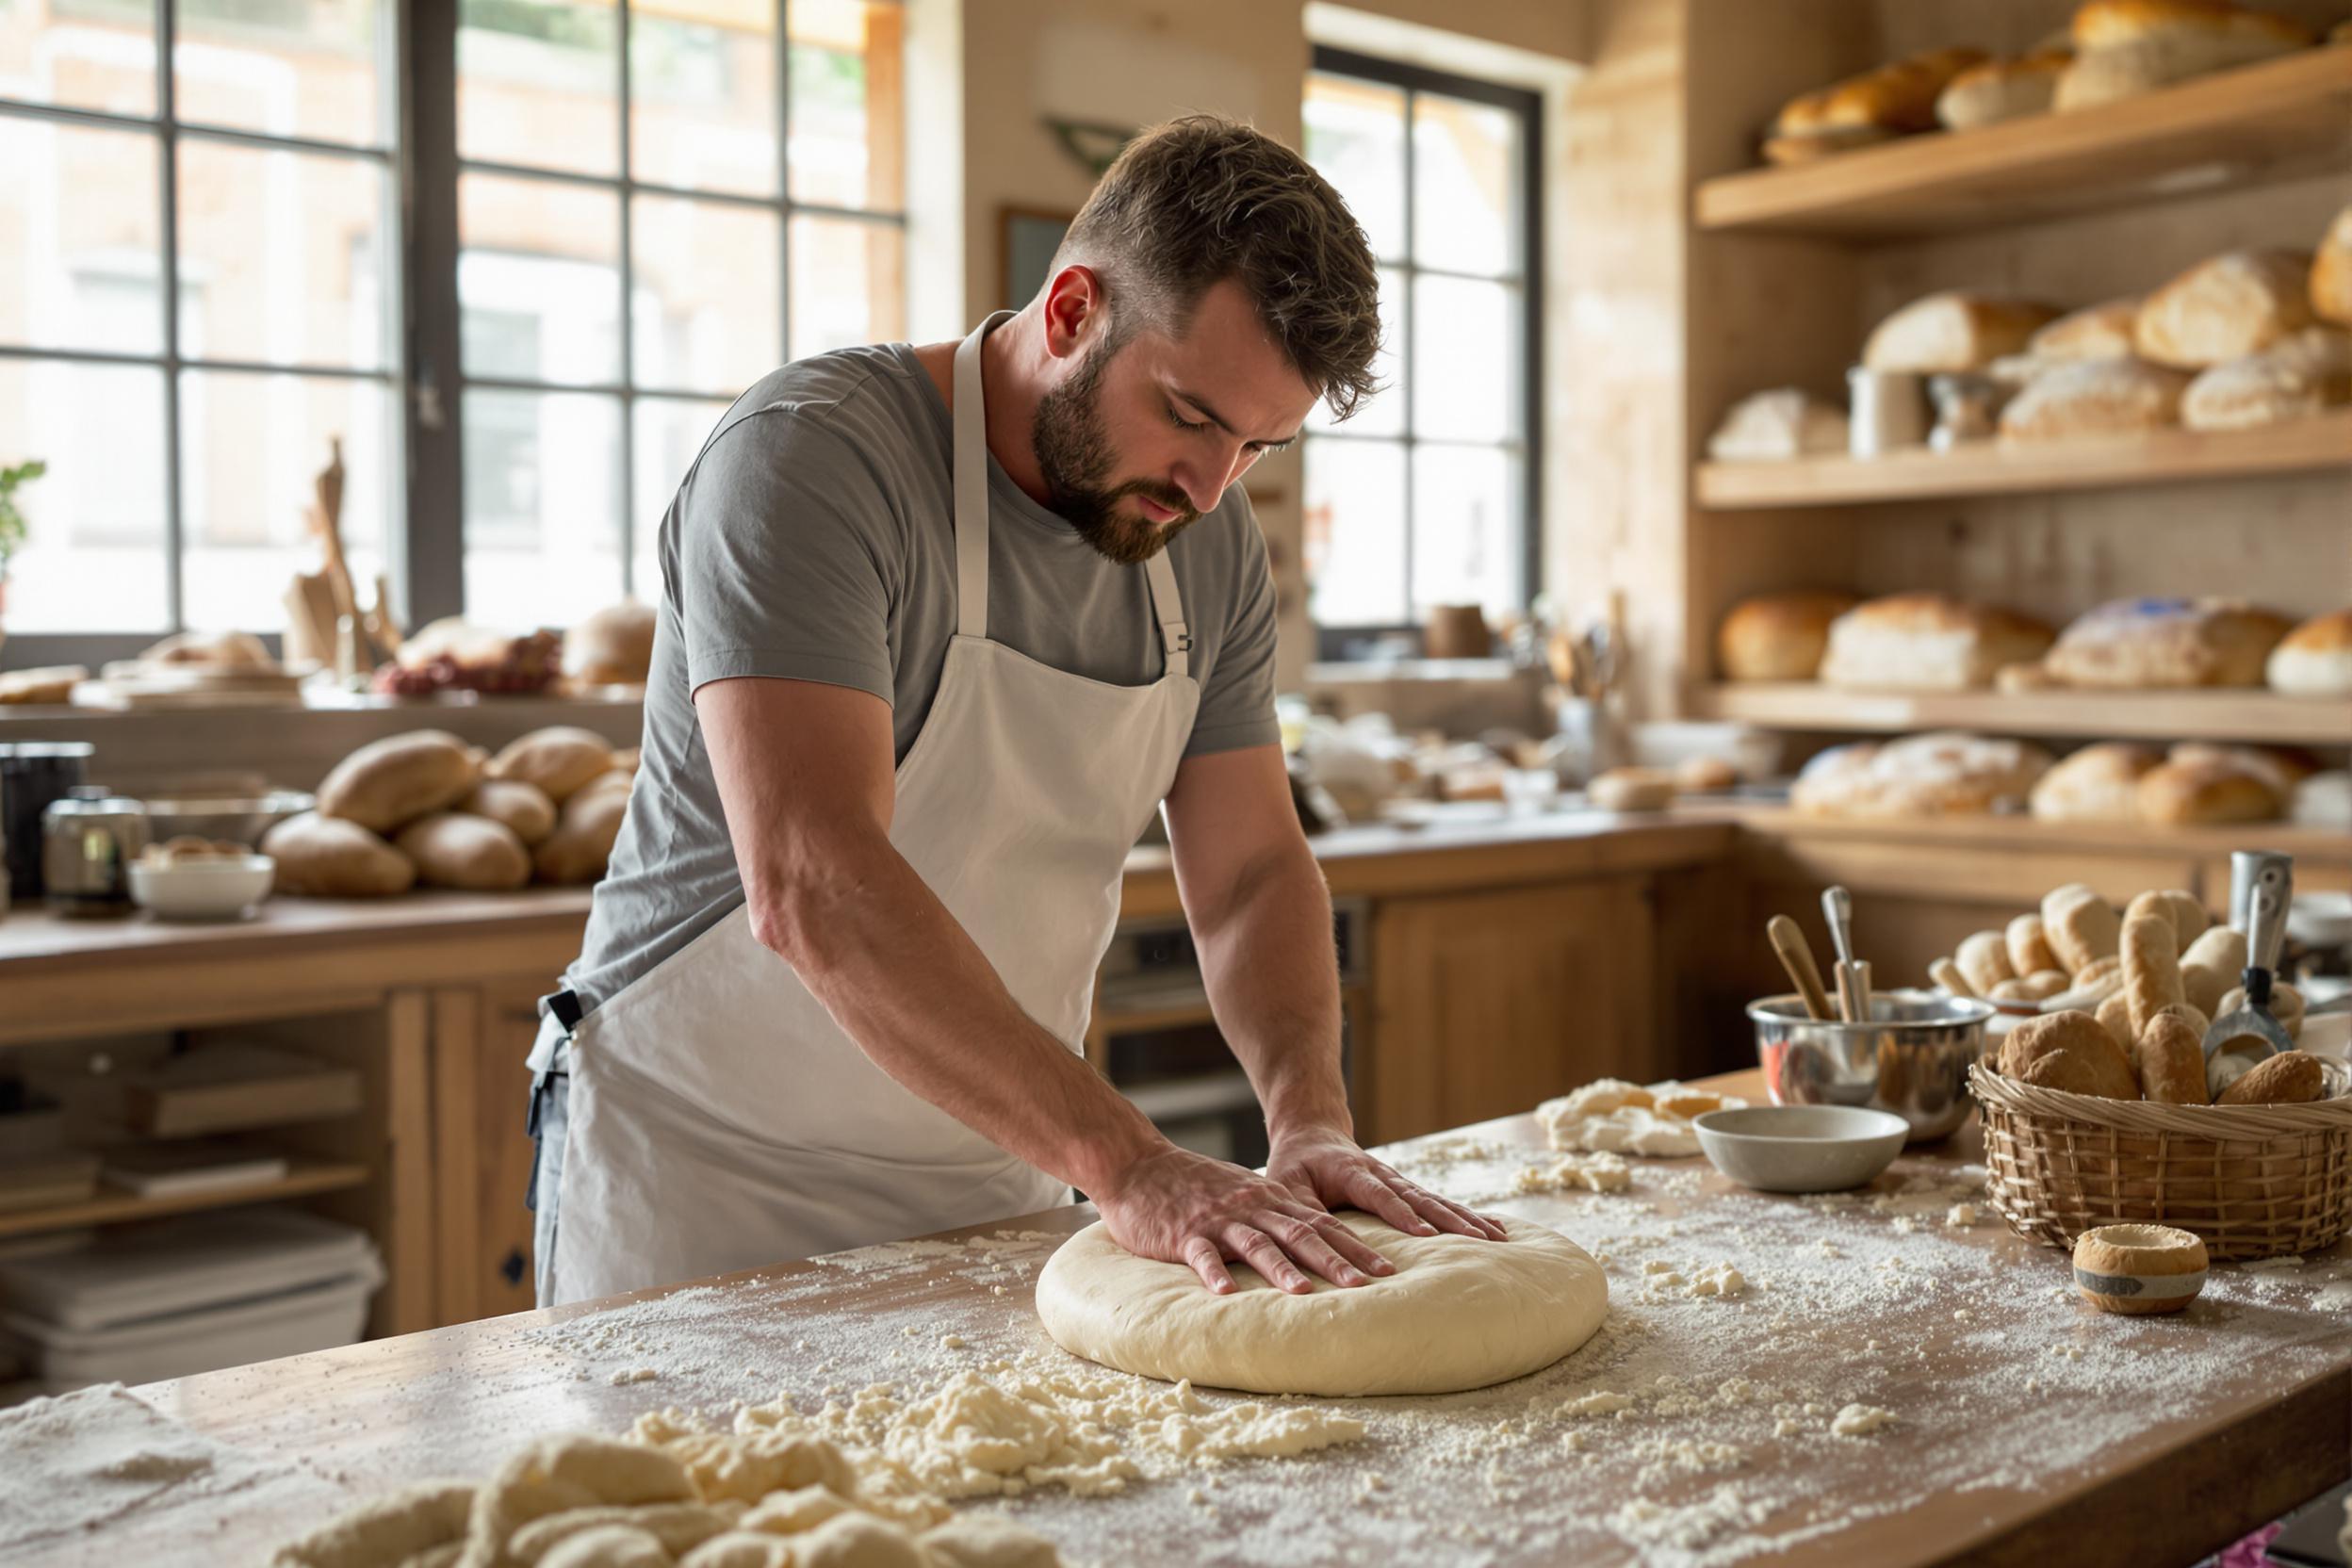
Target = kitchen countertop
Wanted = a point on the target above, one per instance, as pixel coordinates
(2025, 1428)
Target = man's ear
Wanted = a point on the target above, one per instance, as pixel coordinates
(1076, 310)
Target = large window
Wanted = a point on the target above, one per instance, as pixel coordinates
(1428, 495)
(618, 214)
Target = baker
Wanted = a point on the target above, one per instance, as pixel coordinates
(941, 629)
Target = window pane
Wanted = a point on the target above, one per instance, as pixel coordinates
(543, 506)
(81, 54)
(1466, 511)
(848, 84)
(849, 283)
(320, 69)
(702, 98)
(80, 261)
(1468, 354)
(670, 433)
(94, 554)
(539, 280)
(252, 447)
(709, 306)
(1384, 412)
(537, 82)
(1465, 186)
(1356, 139)
(282, 256)
(1355, 532)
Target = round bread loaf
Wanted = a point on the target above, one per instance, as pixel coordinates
(2070, 1052)
(1928, 642)
(2289, 1078)
(333, 857)
(581, 844)
(2138, 644)
(2315, 659)
(455, 850)
(386, 784)
(1778, 636)
(523, 810)
(613, 646)
(558, 759)
(2182, 792)
(2099, 783)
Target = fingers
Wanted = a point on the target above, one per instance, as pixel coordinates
(1375, 1197)
(1432, 1213)
(1263, 1254)
(1351, 1246)
(1201, 1255)
(1306, 1235)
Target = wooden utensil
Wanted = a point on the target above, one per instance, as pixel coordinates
(1854, 983)
(1796, 957)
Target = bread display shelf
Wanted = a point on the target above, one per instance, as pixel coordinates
(2271, 121)
(1994, 468)
(304, 1178)
(2231, 714)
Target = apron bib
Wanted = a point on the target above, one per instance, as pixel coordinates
(720, 1119)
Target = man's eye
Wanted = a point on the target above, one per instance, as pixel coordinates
(1181, 422)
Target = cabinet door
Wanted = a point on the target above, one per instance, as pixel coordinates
(481, 1034)
(1488, 1002)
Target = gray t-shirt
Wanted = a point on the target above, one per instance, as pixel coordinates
(813, 539)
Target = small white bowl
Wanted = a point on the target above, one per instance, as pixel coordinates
(1802, 1148)
(218, 887)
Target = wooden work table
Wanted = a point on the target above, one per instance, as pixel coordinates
(2027, 1427)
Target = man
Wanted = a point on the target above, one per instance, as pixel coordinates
(941, 629)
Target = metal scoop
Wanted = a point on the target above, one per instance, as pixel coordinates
(2237, 1040)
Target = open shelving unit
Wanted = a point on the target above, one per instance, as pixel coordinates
(305, 1178)
(2218, 714)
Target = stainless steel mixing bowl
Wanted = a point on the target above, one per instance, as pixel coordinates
(1912, 1058)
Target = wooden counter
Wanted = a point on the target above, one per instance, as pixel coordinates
(2026, 1428)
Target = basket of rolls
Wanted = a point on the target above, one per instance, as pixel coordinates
(2096, 1106)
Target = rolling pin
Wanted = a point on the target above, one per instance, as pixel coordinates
(1796, 957)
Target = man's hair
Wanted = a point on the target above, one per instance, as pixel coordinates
(1198, 200)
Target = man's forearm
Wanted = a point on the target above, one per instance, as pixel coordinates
(1273, 979)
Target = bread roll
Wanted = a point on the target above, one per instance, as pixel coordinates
(454, 850)
(334, 858)
(2010, 990)
(1953, 331)
(2114, 1015)
(613, 646)
(1928, 642)
(2280, 767)
(2171, 1060)
(2177, 904)
(386, 784)
(581, 844)
(2003, 89)
(2127, 47)
(1892, 99)
(2289, 1078)
(2099, 969)
(1947, 974)
(523, 810)
(1632, 790)
(2103, 331)
(2043, 984)
(1940, 773)
(1984, 957)
(2286, 1006)
(2029, 951)
(2099, 783)
(2087, 995)
(2080, 926)
(1775, 426)
(2151, 966)
(2236, 304)
(2210, 966)
(2305, 373)
(1701, 776)
(2331, 272)
(558, 759)
(217, 650)
(2188, 794)
(1778, 636)
(2069, 1052)
(2323, 801)
(2141, 644)
(2315, 659)
(2092, 398)
(45, 685)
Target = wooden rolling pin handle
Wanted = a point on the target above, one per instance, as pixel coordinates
(1796, 957)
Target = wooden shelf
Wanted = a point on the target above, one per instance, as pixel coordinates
(2272, 121)
(1999, 467)
(304, 1178)
(2187, 715)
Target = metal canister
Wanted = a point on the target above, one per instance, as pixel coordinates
(33, 773)
(87, 842)
(1887, 409)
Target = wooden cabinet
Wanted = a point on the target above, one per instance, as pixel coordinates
(482, 1151)
(1486, 1002)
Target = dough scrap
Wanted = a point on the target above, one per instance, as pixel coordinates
(1589, 1172)
(1861, 1420)
(1459, 1313)
(389, 1529)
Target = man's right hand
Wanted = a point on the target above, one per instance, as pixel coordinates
(1182, 1207)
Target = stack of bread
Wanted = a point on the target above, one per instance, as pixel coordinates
(2198, 783)
(1920, 775)
(1928, 642)
(2139, 993)
(427, 808)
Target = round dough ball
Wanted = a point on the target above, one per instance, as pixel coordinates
(558, 759)
(1459, 1313)
(329, 857)
(524, 808)
(475, 854)
(388, 783)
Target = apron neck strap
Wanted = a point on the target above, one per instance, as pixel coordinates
(1168, 607)
(971, 473)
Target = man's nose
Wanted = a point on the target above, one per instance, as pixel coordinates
(1205, 483)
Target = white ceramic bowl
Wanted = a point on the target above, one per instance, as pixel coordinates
(1802, 1148)
(218, 887)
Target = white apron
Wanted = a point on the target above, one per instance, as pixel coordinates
(721, 1120)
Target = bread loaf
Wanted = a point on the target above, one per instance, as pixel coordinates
(2069, 1052)
(2136, 644)
(1947, 974)
(2099, 783)
(41, 686)
(1778, 636)
(2280, 767)
(2151, 967)
(218, 650)
(2315, 659)
(1928, 642)
(2096, 397)
(2170, 1055)
(2095, 332)
(2289, 1078)
(2323, 801)
(334, 858)
(2184, 793)
(2302, 374)
(1632, 790)
(2331, 272)
(2210, 966)
(2003, 89)
(2177, 904)
(558, 759)
(2127, 47)
(1953, 331)
(386, 784)
(2114, 1015)
(1922, 775)
(2029, 951)
(586, 828)
(454, 850)
(613, 646)
(2286, 1006)
(1984, 957)
(1892, 99)
(2080, 926)
(1705, 775)
(1775, 426)
(522, 809)
(2235, 304)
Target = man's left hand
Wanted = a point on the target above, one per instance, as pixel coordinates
(1326, 1167)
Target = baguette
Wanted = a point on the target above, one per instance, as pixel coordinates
(2171, 1059)
(2151, 967)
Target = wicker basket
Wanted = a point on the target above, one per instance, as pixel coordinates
(2253, 1181)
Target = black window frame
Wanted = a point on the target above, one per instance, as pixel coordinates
(1340, 640)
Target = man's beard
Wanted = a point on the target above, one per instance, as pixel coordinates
(1074, 457)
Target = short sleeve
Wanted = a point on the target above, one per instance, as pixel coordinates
(783, 552)
(1238, 703)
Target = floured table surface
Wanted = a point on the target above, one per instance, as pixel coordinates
(1886, 1377)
